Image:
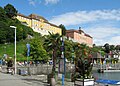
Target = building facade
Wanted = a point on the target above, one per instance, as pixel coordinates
(39, 24)
(79, 36)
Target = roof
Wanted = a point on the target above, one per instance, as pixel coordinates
(52, 24)
(78, 31)
(38, 17)
(72, 30)
(23, 15)
(33, 16)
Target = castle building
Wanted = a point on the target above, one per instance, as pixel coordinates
(79, 36)
(39, 24)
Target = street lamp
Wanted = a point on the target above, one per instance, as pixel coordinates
(15, 46)
(63, 60)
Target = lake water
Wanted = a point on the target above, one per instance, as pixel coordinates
(109, 75)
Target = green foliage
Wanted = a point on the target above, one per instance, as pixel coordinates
(37, 50)
(9, 50)
(52, 42)
(7, 19)
(83, 60)
(107, 48)
(63, 29)
(6, 34)
(10, 11)
(2, 14)
(68, 49)
(117, 47)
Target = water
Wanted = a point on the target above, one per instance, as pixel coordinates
(108, 75)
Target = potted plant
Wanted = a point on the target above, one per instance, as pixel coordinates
(83, 64)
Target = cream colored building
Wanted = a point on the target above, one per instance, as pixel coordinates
(39, 24)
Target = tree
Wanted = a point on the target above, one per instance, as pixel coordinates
(2, 14)
(112, 47)
(37, 50)
(107, 49)
(52, 42)
(83, 60)
(63, 29)
(117, 47)
(10, 11)
(68, 49)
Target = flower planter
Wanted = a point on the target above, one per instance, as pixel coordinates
(86, 82)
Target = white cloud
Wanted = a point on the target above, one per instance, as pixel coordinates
(101, 24)
(114, 40)
(102, 35)
(80, 17)
(103, 32)
(51, 1)
(32, 2)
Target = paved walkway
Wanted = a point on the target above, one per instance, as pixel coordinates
(38, 80)
(16, 80)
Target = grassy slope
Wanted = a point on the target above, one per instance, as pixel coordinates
(9, 50)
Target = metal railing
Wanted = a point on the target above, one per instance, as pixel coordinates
(115, 66)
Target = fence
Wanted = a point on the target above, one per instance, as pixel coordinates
(115, 66)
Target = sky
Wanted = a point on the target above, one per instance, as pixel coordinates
(98, 18)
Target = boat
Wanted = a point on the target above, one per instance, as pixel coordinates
(108, 82)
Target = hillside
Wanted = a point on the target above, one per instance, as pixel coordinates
(9, 50)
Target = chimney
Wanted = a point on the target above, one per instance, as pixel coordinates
(80, 30)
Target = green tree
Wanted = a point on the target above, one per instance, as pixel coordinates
(68, 49)
(52, 42)
(83, 60)
(63, 29)
(10, 11)
(107, 49)
(117, 47)
(2, 14)
(112, 47)
(37, 50)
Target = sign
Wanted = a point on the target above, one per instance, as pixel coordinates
(62, 48)
(28, 47)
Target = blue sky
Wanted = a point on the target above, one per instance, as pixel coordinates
(98, 18)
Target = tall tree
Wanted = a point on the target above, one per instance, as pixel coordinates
(10, 11)
(2, 14)
(63, 29)
(69, 49)
(52, 42)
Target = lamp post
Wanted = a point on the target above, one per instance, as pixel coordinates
(63, 60)
(15, 47)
